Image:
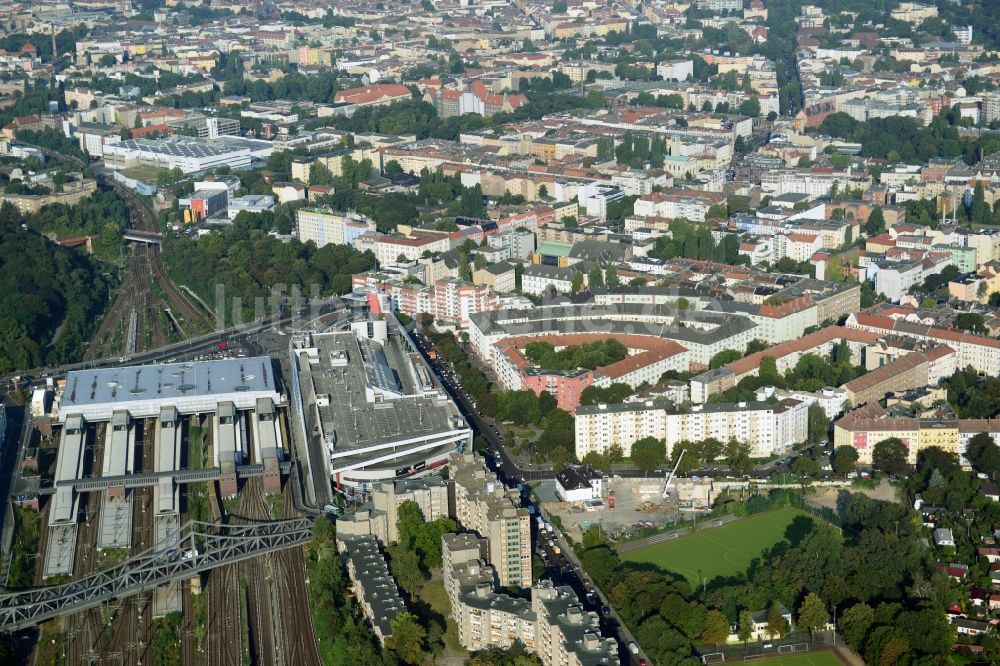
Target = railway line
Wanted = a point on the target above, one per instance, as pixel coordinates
(137, 320)
(224, 618)
(86, 633)
(301, 646)
(259, 573)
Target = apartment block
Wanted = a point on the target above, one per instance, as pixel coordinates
(767, 428)
(379, 516)
(372, 584)
(566, 634)
(324, 227)
(447, 299)
(979, 351)
(485, 618)
(914, 370)
(866, 426)
(483, 505)
(553, 625)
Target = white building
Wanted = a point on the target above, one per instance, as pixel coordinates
(595, 197)
(578, 483)
(895, 279)
(324, 227)
(250, 203)
(767, 428)
(536, 279)
(188, 155)
(675, 70)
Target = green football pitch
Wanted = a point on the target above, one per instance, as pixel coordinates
(824, 658)
(723, 551)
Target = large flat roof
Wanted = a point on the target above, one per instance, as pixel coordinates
(352, 419)
(191, 387)
(372, 404)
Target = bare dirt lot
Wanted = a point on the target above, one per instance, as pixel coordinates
(836, 498)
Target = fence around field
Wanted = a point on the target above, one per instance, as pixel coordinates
(674, 534)
(780, 647)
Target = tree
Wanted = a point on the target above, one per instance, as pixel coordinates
(973, 322)
(611, 276)
(408, 639)
(319, 174)
(716, 628)
(804, 466)
(615, 454)
(889, 456)
(594, 537)
(577, 282)
(854, 623)
(812, 613)
(746, 626)
(410, 521)
(750, 107)
(724, 357)
(405, 568)
(844, 459)
(819, 424)
(542, 191)
(392, 168)
(984, 454)
(717, 211)
(737, 455)
(648, 453)
(595, 277)
(875, 224)
(777, 625)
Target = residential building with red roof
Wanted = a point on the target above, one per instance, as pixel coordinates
(979, 351)
(379, 94)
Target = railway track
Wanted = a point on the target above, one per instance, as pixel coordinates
(86, 633)
(258, 573)
(290, 579)
(137, 294)
(224, 618)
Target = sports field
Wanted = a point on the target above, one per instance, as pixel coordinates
(722, 551)
(824, 658)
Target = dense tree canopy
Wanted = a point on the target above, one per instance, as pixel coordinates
(248, 263)
(592, 355)
(44, 289)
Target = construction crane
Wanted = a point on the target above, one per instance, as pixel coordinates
(670, 475)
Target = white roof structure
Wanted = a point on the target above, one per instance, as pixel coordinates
(192, 388)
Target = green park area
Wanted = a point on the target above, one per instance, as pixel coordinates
(823, 658)
(726, 550)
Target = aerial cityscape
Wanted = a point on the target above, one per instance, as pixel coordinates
(499, 332)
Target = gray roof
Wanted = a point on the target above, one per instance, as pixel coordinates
(353, 420)
(378, 585)
(166, 382)
(617, 318)
(178, 148)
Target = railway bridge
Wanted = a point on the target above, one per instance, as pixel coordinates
(200, 547)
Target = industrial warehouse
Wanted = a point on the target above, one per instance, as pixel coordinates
(375, 405)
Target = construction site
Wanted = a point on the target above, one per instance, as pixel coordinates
(631, 505)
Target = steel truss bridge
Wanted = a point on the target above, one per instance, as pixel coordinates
(199, 547)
